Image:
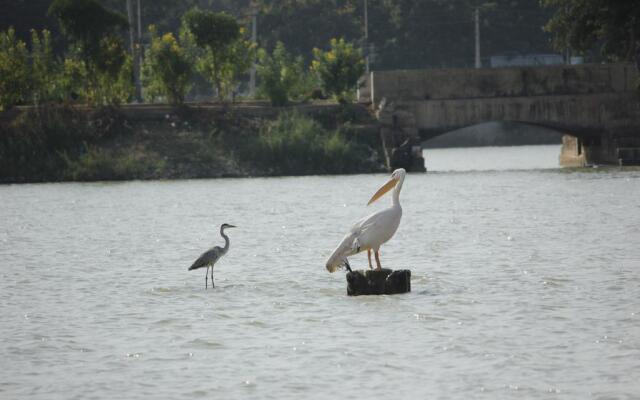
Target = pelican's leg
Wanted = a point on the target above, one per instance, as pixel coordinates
(206, 278)
(369, 257)
(375, 252)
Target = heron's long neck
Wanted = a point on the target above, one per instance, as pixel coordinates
(226, 239)
(396, 192)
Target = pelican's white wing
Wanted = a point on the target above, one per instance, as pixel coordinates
(368, 233)
(347, 247)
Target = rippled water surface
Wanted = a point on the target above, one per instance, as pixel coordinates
(526, 285)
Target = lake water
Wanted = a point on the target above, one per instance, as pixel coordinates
(526, 284)
(492, 158)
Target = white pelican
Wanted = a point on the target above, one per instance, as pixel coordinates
(373, 231)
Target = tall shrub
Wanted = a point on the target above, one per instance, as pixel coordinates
(167, 68)
(45, 69)
(282, 77)
(14, 70)
(338, 69)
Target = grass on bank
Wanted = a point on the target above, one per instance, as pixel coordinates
(58, 144)
(295, 144)
(97, 164)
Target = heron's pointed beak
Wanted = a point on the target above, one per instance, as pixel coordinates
(384, 189)
(231, 226)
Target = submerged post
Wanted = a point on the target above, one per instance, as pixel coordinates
(384, 281)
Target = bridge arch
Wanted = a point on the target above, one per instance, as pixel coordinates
(494, 133)
(597, 104)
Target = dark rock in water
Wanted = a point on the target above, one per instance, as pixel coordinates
(384, 281)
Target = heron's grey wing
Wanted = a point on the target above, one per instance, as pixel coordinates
(209, 257)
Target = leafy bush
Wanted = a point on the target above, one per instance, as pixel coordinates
(338, 69)
(297, 145)
(115, 89)
(281, 76)
(73, 78)
(14, 70)
(167, 68)
(38, 143)
(30, 145)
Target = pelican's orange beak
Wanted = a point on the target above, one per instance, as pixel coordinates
(391, 183)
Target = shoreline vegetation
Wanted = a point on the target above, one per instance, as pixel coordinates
(88, 53)
(81, 143)
(46, 134)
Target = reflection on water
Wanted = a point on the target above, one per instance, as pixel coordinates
(492, 158)
(525, 285)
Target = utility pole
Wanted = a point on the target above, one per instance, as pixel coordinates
(139, 51)
(254, 39)
(131, 26)
(477, 21)
(136, 66)
(366, 37)
(139, 22)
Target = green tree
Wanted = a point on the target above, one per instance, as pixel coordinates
(338, 69)
(45, 69)
(87, 23)
(167, 68)
(223, 53)
(305, 24)
(281, 76)
(581, 25)
(14, 70)
(94, 32)
(406, 33)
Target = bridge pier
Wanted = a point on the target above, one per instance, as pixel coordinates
(572, 152)
(607, 148)
(400, 138)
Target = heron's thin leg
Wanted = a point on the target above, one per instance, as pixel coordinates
(206, 278)
(369, 257)
(377, 260)
(213, 285)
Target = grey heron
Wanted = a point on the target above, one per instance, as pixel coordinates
(211, 256)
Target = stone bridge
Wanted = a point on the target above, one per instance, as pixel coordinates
(596, 106)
